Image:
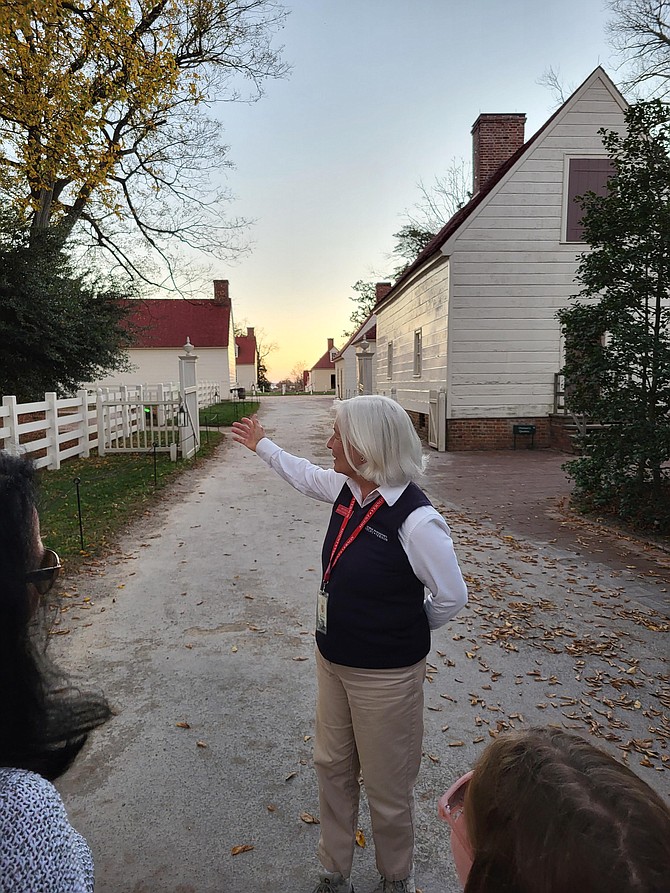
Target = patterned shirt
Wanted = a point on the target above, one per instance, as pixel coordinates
(40, 852)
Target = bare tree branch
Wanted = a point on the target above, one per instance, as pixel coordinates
(639, 32)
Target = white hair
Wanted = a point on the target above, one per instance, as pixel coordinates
(379, 430)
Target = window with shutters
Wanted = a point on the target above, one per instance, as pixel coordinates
(584, 175)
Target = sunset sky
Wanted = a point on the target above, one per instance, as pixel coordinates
(382, 94)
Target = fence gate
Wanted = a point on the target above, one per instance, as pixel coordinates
(437, 420)
(135, 425)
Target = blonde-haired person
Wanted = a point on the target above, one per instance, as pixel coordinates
(390, 575)
(544, 811)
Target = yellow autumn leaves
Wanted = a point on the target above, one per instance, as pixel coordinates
(77, 87)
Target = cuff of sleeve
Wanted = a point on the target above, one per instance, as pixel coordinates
(266, 449)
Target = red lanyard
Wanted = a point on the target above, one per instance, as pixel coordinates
(335, 558)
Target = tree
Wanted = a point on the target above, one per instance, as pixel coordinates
(639, 31)
(365, 300)
(410, 242)
(438, 203)
(617, 333)
(103, 127)
(262, 375)
(263, 350)
(552, 79)
(296, 375)
(58, 327)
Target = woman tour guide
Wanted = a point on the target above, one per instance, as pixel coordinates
(390, 575)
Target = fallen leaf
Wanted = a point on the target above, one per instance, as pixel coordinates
(456, 743)
(200, 744)
(183, 725)
(243, 848)
(360, 839)
(271, 807)
(309, 819)
(299, 658)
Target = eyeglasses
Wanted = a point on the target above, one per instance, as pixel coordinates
(45, 576)
(450, 808)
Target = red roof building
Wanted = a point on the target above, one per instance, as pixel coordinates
(161, 328)
(322, 373)
(169, 322)
(246, 353)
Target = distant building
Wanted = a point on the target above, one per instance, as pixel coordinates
(322, 373)
(246, 356)
(164, 324)
(347, 367)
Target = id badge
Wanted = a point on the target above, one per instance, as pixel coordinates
(322, 611)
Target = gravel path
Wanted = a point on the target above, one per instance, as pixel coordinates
(199, 628)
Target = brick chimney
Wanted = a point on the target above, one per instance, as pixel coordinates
(381, 290)
(250, 331)
(330, 344)
(495, 138)
(221, 296)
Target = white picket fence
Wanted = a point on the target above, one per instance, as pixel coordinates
(55, 429)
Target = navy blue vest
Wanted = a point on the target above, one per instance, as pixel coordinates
(376, 618)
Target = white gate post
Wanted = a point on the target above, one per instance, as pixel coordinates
(12, 441)
(189, 432)
(51, 418)
(364, 358)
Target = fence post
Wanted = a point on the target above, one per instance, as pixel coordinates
(12, 441)
(85, 442)
(142, 420)
(100, 414)
(160, 407)
(124, 411)
(51, 418)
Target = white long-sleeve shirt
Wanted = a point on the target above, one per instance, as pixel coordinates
(425, 535)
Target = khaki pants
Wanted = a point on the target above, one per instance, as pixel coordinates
(370, 720)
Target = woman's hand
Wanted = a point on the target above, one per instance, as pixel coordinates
(248, 432)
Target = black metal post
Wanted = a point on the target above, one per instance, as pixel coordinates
(155, 472)
(76, 482)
